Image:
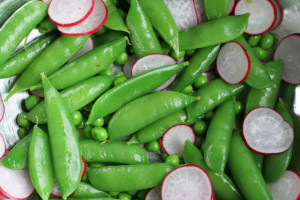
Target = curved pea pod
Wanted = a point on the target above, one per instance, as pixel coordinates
(112, 152)
(146, 110)
(199, 63)
(17, 158)
(87, 65)
(245, 171)
(8, 7)
(215, 8)
(18, 63)
(142, 35)
(128, 177)
(19, 25)
(46, 26)
(108, 36)
(223, 186)
(212, 95)
(51, 59)
(131, 89)
(162, 21)
(64, 142)
(114, 19)
(214, 32)
(40, 163)
(85, 190)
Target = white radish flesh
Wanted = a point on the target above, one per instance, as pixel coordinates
(154, 194)
(2, 146)
(279, 13)
(127, 67)
(230, 7)
(88, 46)
(46, 1)
(2, 109)
(200, 11)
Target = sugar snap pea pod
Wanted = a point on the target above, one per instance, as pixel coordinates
(87, 65)
(142, 35)
(128, 177)
(8, 7)
(131, 89)
(162, 21)
(85, 190)
(40, 163)
(217, 141)
(46, 26)
(51, 59)
(223, 186)
(64, 142)
(212, 95)
(146, 110)
(276, 165)
(214, 32)
(108, 36)
(287, 93)
(114, 19)
(245, 171)
(112, 152)
(76, 97)
(214, 9)
(19, 25)
(18, 63)
(17, 158)
(199, 63)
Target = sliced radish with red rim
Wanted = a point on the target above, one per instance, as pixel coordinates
(127, 67)
(200, 11)
(279, 13)
(262, 15)
(154, 194)
(46, 1)
(39, 93)
(287, 187)
(266, 132)
(87, 46)
(153, 61)
(289, 51)
(233, 63)
(5, 153)
(2, 146)
(231, 7)
(70, 12)
(174, 139)
(188, 182)
(2, 109)
(90, 25)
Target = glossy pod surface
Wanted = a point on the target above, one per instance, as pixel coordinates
(85, 190)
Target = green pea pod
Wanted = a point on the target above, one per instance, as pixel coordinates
(199, 63)
(245, 171)
(108, 36)
(276, 165)
(258, 76)
(142, 35)
(87, 65)
(146, 110)
(40, 163)
(214, 32)
(19, 25)
(214, 9)
(64, 142)
(162, 21)
(112, 152)
(295, 161)
(46, 26)
(52, 58)
(18, 63)
(114, 19)
(212, 95)
(287, 93)
(85, 190)
(217, 141)
(131, 89)
(8, 7)
(17, 158)
(128, 177)
(223, 186)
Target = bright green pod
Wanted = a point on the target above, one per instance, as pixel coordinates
(47, 26)
(114, 19)
(8, 7)
(117, 152)
(108, 36)
(85, 190)
(145, 110)
(40, 163)
(214, 9)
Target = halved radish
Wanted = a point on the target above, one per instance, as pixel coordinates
(266, 132)
(128, 65)
(279, 15)
(262, 15)
(39, 93)
(91, 24)
(154, 194)
(2, 109)
(175, 137)
(231, 7)
(46, 1)
(2, 146)
(88, 45)
(287, 187)
(289, 50)
(70, 12)
(153, 61)
(233, 63)
(200, 11)
(188, 182)
(15, 184)
(183, 12)
(5, 153)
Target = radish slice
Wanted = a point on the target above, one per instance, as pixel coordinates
(233, 63)
(188, 182)
(2, 146)
(288, 50)
(2, 109)
(154, 194)
(46, 1)
(91, 24)
(15, 184)
(200, 11)
(128, 65)
(39, 93)
(231, 7)
(153, 61)
(279, 15)
(262, 15)
(5, 153)
(287, 187)
(88, 45)
(70, 12)
(183, 12)
(174, 139)
(266, 132)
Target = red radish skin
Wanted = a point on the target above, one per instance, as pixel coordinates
(2, 147)
(154, 194)
(200, 11)
(279, 11)
(46, 1)
(233, 63)
(5, 153)
(39, 93)
(88, 46)
(161, 146)
(231, 7)
(2, 109)
(266, 131)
